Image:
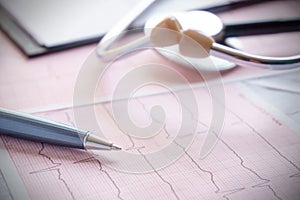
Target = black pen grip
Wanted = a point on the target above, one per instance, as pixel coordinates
(33, 128)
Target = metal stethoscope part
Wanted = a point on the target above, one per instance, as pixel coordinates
(211, 25)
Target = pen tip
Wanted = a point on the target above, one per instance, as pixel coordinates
(116, 147)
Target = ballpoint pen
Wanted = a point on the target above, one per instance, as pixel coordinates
(33, 128)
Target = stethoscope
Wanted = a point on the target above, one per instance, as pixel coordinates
(211, 33)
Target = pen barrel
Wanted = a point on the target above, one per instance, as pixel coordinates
(33, 128)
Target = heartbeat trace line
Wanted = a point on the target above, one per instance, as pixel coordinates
(93, 159)
(55, 167)
(139, 150)
(229, 192)
(242, 163)
(269, 144)
(99, 164)
(185, 152)
(218, 190)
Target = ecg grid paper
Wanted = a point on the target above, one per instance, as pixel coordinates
(256, 157)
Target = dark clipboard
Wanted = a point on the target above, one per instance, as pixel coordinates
(26, 43)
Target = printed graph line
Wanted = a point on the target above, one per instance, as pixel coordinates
(93, 159)
(241, 160)
(159, 175)
(55, 167)
(154, 119)
(262, 110)
(242, 163)
(193, 117)
(88, 159)
(229, 192)
(145, 158)
(133, 145)
(232, 192)
(200, 168)
(268, 143)
(111, 179)
(218, 190)
(226, 194)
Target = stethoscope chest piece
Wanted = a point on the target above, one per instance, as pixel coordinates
(202, 21)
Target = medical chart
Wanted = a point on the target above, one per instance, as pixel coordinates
(255, 156)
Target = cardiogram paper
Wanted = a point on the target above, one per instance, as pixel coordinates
(256, 157)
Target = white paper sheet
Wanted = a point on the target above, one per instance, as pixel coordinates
(54, 23)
